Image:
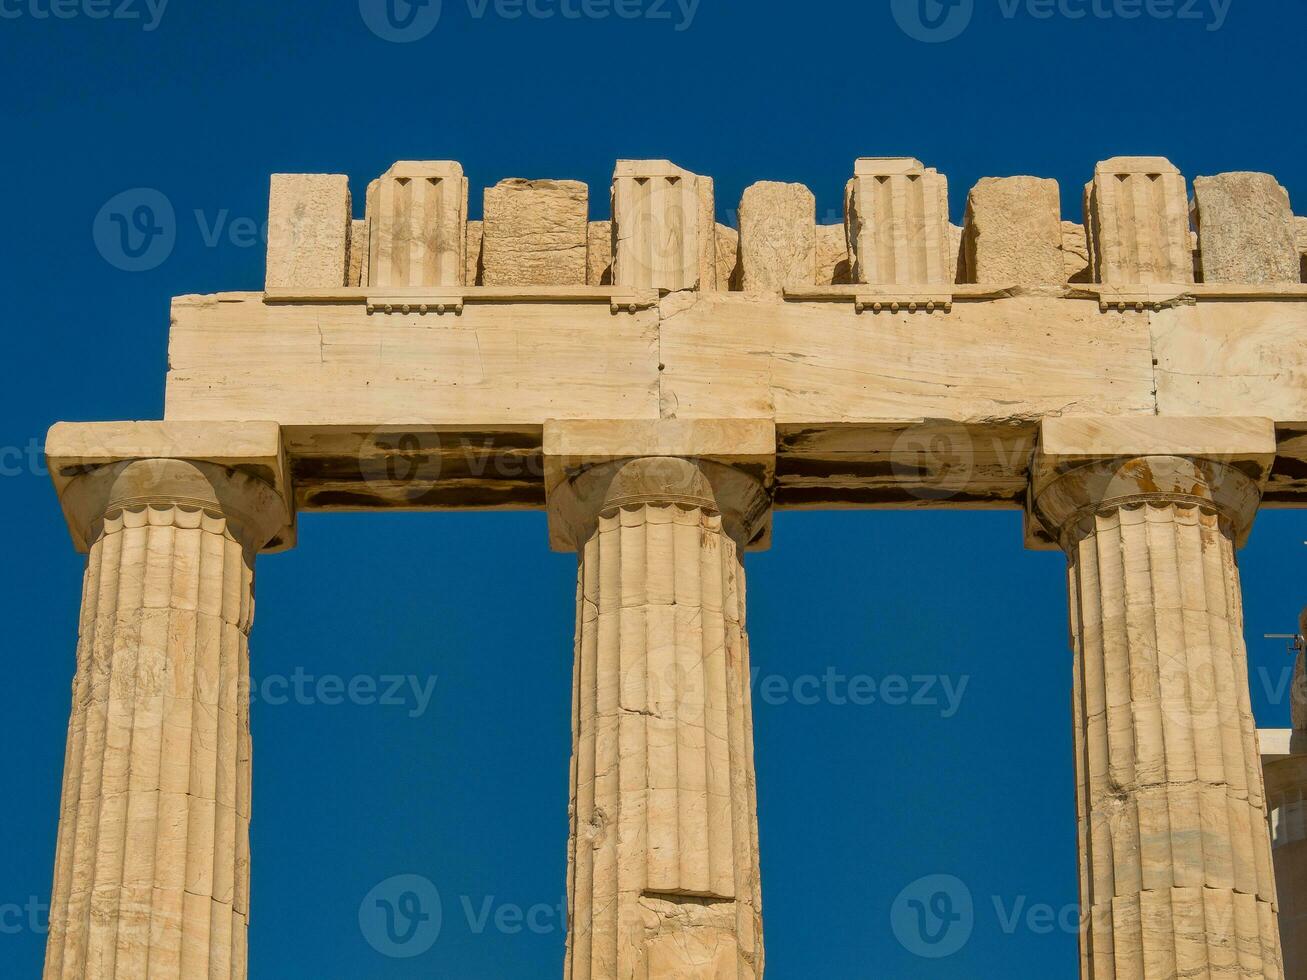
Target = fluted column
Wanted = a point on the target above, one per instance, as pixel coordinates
(152, 860)
(1175, 864)
(663, 851)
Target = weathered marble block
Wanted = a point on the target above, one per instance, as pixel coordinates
(535, 232)
(778, 237)
(308, 230)
(1245, 229)
(832, 256)
(1075, 253)
(1013, 231)
(727, 240)
(358, 253)
(599, 254)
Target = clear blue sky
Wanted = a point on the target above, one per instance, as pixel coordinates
(468, 789)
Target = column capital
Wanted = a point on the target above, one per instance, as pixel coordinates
(234, 470)
(727, 466)
(1084, 465)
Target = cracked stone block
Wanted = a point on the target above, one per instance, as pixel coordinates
(778, 237)
(1245, 229)
(1013, 231)
(535, 232)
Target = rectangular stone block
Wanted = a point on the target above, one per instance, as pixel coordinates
(728, 258)
(599, 254)
(416, 212)
(1137, 220)
(1069, 439)
(358, 253)
(778, 237)
(832, 256)
(1075, 253)
(1245, 229)
(896, 213)
(535, 233)
(308, 230)
(1013, 231)
(658, 214)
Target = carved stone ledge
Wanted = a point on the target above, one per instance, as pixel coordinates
(437, 300)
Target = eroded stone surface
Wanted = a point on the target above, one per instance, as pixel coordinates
(599, 254)
(833, 266)
(778, 237)
(1013, 231)
(728, 258)
(1075, 253)
(535, 232)
(1245, 229)
(358, 253)
(308, 230)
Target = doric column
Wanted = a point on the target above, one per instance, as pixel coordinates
(152, 860)
(1175, 863)
(663, 851)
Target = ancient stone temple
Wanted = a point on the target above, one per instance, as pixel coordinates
(660, 384)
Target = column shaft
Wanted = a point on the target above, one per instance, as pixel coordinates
(663, 866)
(1175, 867)
(152, 862)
